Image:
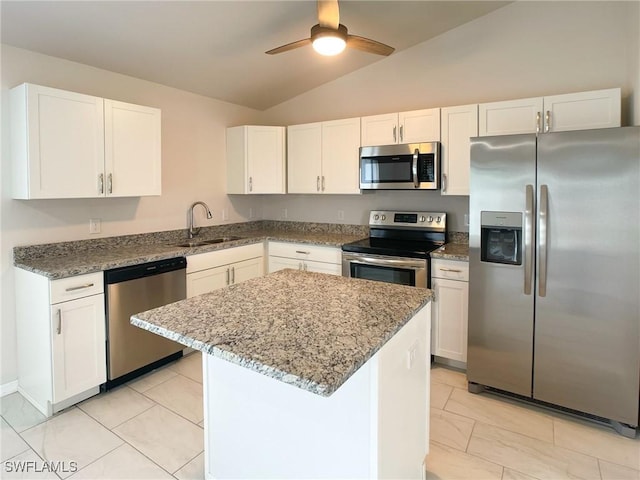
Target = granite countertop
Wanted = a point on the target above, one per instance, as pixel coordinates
(452, 251)
(68, 259)
(307, 329)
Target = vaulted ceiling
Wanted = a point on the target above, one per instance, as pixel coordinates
(216, 48)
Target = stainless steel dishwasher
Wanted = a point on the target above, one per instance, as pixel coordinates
(132, 351)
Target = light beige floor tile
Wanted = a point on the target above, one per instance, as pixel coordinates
(450, 429)
(611, 471)
(494, 410)
(448, 376)
(510, 474)
(10, 442)
(164, 437)
(126, 463)
(19, 413)
(194, 470)
(116, 406)
(445, 463)
(180, 394)
(28, 465)
(189, 366)
(525, 454)
(598, 441)
(151, 379)
(440, 394)
(71, 436)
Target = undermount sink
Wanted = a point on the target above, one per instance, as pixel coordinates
(200, 243)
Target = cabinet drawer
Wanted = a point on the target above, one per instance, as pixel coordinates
(451, 269)
(80, 286)
(302, 251)
(202, 261)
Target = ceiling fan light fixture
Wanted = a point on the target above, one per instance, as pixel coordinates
(329, 45)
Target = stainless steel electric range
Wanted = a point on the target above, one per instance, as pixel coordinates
(398, 247)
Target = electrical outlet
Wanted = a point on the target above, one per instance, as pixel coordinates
(94, 225)
(225, 214)
(411, 355)
(284, 213)
(340, 214)
(466, 219)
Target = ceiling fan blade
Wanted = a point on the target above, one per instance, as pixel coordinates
(368, 45)
(289, 46)
(328, 14)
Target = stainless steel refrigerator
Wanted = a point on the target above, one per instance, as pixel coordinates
(554, 237)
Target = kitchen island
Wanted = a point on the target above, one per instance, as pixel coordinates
(309, 375)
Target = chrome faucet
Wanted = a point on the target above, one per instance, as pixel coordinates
(194, 231)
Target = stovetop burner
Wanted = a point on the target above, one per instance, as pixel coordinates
(402, 234)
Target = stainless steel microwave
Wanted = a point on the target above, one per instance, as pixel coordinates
(411, 166)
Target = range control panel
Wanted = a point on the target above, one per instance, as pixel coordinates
(393, 219)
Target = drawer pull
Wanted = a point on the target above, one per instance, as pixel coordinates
(302, 252)
(450, 270)
(80, 287)
(59, 329)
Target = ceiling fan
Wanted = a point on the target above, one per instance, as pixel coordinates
(330, 37)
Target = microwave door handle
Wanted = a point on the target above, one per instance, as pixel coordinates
(414, 168)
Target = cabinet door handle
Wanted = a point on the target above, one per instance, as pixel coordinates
(110, 183)
(79, 287)
(323, 183)
(547, 121)
(299, 265)
(537, 122)
(101, 183)
(394, 134)
(401, 133)
(59, 329)
(318, 183)
(302, 252)
(444, 182)
(450, 270)
(228, 278)
(305, 267)
(233, 275)
(250, 184)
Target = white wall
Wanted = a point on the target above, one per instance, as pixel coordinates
(193, 168)
(522, 50)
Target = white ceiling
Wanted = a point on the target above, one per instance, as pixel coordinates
(216, 48)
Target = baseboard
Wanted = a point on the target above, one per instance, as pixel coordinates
(450, 363)
(8, 388)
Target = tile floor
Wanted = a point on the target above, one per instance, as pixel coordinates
(151, 428)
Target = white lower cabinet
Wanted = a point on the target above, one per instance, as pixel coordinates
(450, 283)
(300, 256)
(61, 339)
(210, 271)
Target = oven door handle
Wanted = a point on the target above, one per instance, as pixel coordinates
(414, 168)
(383, 262)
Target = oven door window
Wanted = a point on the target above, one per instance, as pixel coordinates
(400, 276)
(392, 169)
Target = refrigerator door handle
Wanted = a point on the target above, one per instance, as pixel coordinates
(542, 240)
(528, 239)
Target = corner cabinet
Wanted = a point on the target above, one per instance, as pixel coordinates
(61, 339)
(323, 157)
(450, 309)
(301, 256)
(405, 127)
(210, 271)
(557, 113)
(459, 124)
(256, 159)
(112, 148)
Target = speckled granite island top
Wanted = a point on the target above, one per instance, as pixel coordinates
(307, 329)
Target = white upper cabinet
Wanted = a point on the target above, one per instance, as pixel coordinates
(405, 127)
(256, 159)
(103, 144)
(459, 124)
(323, 157)
(132, 149)
(573, 111)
